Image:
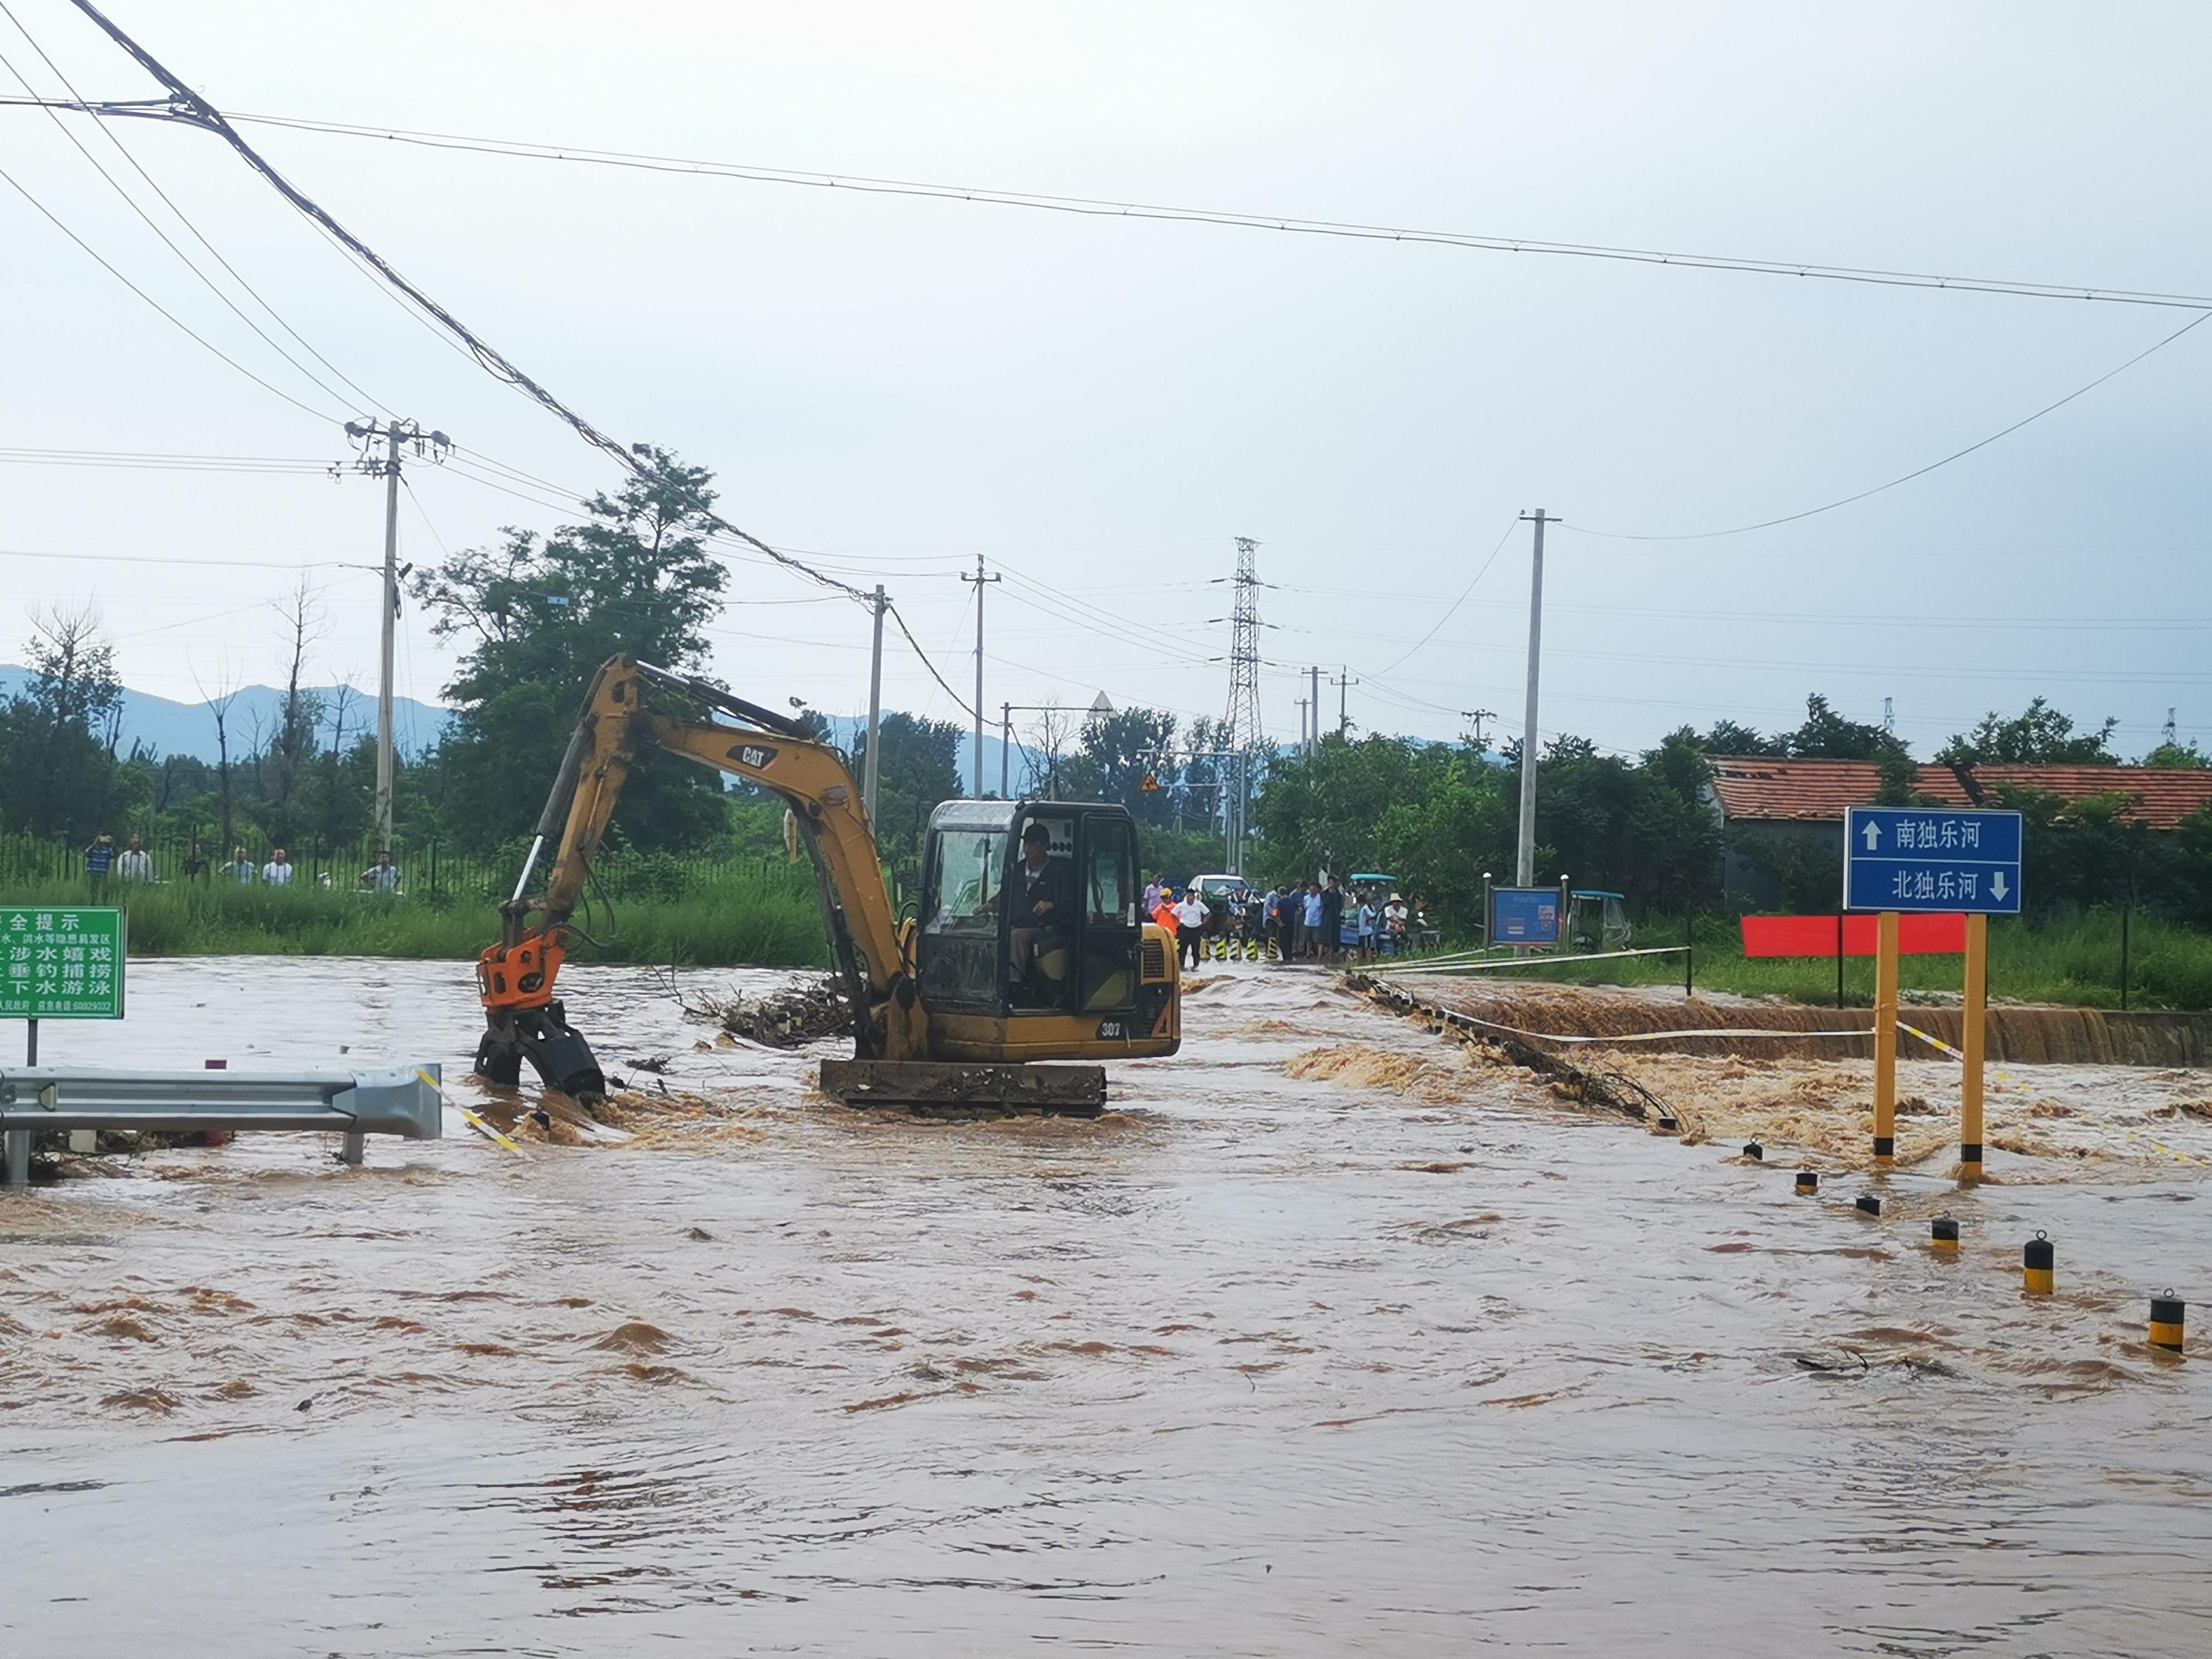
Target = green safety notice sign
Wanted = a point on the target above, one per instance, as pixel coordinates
(61, 962)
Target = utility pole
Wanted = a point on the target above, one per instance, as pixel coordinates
(1313, 676)
(979, 579)
(1305, 743)
(1478, 715)
(432, 446)
(1343, 678)
(874, 768)
(1005, 744)
(1525, 863)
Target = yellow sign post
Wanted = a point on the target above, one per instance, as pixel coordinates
(1973, 1033)
(1885, 1040)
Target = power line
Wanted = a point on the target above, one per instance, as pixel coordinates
(301, 466)
(14, 185)
(1917, 472)
(893, 611)
(182, 218)
(187, 106)
(1096, 207)
(1462, 599)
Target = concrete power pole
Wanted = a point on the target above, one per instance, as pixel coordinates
(433, 445)
(874, 768)
(979, 579)
(1313, 702)
(1525, 865)
(1342, 679)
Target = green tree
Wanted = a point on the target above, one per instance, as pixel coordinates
(57, 737)
(921, 770)
(539, 616)
(2039, 736)
(2178, 757)
(1826, 735)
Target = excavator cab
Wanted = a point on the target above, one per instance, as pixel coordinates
(1001, 982)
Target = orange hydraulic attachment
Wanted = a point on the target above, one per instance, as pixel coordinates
(519, 976)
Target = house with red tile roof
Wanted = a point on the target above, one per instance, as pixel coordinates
(1797, 805)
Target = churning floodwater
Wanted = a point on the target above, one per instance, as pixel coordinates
(1255, 1364)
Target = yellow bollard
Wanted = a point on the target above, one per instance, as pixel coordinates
(1974, 1028)
(1755, 1151)
(1808, 1182)
(1884, 1039)
(2037, 1271)
(2166, 1313)
(1943, 1236)
(1869, 1205)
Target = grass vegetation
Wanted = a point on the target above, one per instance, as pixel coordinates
(750, 917)
(2072, 963)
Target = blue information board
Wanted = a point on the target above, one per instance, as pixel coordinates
(1524, 916)
(1931, 858)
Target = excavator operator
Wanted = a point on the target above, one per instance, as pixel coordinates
(1044, 913)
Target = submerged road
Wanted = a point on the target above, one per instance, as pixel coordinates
(1413, 1358)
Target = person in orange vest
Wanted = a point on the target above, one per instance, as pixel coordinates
(1164, 912)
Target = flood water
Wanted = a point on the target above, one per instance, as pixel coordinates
(1252, 1365)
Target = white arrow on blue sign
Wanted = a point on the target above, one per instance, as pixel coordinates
(1931, 859)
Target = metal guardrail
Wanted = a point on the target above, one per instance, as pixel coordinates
(390, 1100)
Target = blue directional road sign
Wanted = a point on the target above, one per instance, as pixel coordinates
(1931, 858)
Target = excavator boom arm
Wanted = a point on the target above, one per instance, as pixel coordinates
(616, 732)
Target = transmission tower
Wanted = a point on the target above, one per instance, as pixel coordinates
(1242, 736)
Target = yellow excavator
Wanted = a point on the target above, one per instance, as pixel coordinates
(1029, 944)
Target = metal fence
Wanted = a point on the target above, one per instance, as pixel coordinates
(430, 869)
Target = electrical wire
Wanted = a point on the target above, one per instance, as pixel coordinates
(186, 105)
(44, 212)
(1462, 599)
(892, 611)
(276, 463)
(1097, 207)
(1917, 472)
(182, 218)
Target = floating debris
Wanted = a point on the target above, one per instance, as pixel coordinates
(784, 1019)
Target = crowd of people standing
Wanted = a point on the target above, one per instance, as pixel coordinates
(103, 863)
(1322, 921)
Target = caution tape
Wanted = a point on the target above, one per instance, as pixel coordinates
(1454, 1018)
(1456, 965)
(2005, 1079)
(467, 1116)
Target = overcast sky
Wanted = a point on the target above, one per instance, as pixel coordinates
(1099, 405)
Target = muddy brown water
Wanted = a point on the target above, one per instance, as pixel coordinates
(1256, 1365)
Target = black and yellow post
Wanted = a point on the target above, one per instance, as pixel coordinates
(1973, 1033)
(1885, 1040)
(2168, 1313)
(1943, 1236)
(1808, 1182)
(2038, 1266)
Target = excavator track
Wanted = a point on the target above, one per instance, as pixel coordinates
(945, 1089)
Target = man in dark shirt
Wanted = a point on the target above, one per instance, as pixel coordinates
(1332, 920)
(1043, 910)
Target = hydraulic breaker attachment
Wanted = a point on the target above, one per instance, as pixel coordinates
(932, 1088)
(562, 1059)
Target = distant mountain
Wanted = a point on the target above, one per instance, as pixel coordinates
(170, 727)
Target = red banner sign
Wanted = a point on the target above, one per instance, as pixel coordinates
(1815, 936)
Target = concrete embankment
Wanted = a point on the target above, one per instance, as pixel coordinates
(2018, 1036)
